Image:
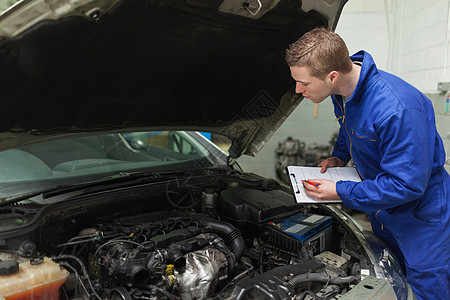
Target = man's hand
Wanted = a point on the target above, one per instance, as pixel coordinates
(329, 163)
(326, 190)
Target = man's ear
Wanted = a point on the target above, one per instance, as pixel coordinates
(332, 77)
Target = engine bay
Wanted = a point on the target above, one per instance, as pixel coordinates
(192, 239)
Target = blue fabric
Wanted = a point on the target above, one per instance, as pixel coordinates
(388, 128)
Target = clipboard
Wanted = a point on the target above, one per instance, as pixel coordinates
(298, 173)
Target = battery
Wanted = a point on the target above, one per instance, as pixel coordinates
(316, 230)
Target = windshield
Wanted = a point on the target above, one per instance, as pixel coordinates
(81, 159)
(5, 4)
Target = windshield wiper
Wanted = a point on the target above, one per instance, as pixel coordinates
(64, 189)
(113, 179)
(128, 178)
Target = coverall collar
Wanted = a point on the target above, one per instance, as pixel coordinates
(368, 72)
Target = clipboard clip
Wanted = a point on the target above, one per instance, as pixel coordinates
(296, 183)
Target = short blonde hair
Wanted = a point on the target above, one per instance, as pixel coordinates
(321, 51)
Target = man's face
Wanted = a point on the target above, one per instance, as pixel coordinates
(311, 87)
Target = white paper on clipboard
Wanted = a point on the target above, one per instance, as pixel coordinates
(298, 173)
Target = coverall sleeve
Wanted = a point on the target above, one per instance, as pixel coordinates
(407, 148)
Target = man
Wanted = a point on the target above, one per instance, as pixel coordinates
(387, 126)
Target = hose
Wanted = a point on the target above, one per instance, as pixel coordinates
(83, 268)
(231, 235)
(78, 280)
(165, 293)
(315, 277)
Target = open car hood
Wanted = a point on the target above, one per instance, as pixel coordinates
(83, 66)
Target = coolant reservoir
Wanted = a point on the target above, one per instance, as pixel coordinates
(35, 281)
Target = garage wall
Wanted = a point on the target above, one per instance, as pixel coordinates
(420, 40)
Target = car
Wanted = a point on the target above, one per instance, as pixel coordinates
(109, 189)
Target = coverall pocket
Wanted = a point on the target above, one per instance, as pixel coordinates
(429, 208)
(363, 135)
(384, 216)
(365, 148)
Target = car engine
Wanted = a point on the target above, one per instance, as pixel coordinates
(239, 241)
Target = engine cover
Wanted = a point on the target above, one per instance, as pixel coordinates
(243, 206)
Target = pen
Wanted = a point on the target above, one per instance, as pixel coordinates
(312, 182)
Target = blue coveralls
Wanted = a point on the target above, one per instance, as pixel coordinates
(388, 128)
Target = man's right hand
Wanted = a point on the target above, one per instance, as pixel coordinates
(329, 163)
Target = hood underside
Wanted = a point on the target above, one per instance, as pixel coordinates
(81, 66)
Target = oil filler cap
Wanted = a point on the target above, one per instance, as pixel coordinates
(8, 267)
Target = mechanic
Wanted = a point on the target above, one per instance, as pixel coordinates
(388, 128)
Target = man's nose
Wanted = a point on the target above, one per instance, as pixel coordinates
(299, 89)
